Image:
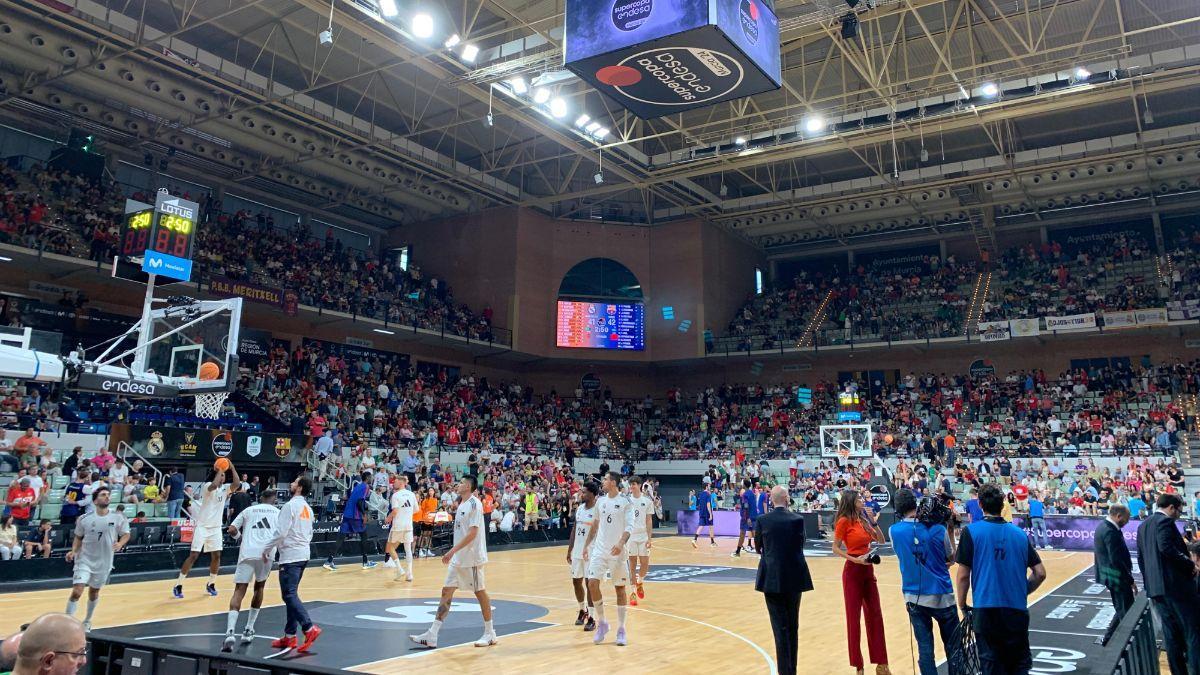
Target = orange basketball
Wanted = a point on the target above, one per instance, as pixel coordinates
(888, 440)
(221, 464)
(210, 371)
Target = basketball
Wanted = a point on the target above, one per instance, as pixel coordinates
(888, 439)
(221, 464)
(210, 371)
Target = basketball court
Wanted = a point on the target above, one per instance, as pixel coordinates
(700, 613)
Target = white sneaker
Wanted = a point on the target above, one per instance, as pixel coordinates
(409, 577)
(248, 636)
(424, 639)
(87, 626)
(399, 573)
(390, 563)
(487, 640)
(230, 641)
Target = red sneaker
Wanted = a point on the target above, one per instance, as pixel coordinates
(640, 593)
(285, 642)
(310, 636)
(633, 600)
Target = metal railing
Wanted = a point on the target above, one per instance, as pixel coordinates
(1132, 649)
(124, 450)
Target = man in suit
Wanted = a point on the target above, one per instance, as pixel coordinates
(1169, 575)
(1114, 568)
(782, 574)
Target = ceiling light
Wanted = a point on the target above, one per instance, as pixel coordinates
(740, 140)
(592, 127)
(1082, 73)
(582, 121)
(601, 133)
(469, 53)
(989, 89)
(558, 107)
(385, 332)
(541, 95)
(814, 124)
(599, 178)
(388, 8)
(518, 85)
(422, 25)
(4, 258)
(452, 41)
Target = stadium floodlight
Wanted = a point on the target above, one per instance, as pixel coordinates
(518, 84)
(469, 53)
(422, 25)
(558, 107)
(1082, 73)
(388, 9)
(541, 95)
(453, 41)
(582, 120)
(989, 89)
(814, 124)
(601, 133)
(592, 127)
(740, 140)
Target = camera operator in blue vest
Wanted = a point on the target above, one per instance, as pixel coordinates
(925, 549)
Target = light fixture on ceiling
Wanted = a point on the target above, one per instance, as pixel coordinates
(4, 258)
(452, 41)
(740, 140)
(724, 191)
(592, 127)
(599, 177)
(1081, 74)
(558, 107)
(469, 53)
(385, 332)
(541, 95)
(518, 84)
(422, 25)
(582, 121)
(325, 37)
(601, 133)
(388, 9)
(814, 124)
(989, 89)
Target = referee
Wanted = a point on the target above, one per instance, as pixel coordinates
(993, 555)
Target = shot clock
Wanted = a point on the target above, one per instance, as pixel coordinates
(163, 235)
(135, 231)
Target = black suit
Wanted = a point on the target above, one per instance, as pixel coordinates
(782, 577)
(1114, 570)
(1167, 576)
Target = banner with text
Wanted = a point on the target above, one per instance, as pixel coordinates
(1078, 239)
(1155, 316)
(1071, 322)
(993, 331)
(1024, 327)
(1183, 311)
(898, 260)
(1119, 319)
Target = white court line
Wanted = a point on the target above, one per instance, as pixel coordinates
(182, 635)
(427, 652)
(1063, 632)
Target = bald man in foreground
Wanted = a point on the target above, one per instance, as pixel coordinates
(54, 644)
(782, 574)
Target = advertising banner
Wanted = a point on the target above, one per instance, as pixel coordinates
(1079, 239)
(1156, 316)
(1024, 327)
(1119, 319)
(906, 260)
(231, 288)
(1077, 533)
(253, 346)
(1072, 322)
(993, 331)
(1183, 311)
(206, 445)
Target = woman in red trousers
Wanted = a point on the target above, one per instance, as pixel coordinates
(853, 532)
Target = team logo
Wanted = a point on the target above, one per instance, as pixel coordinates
(188, 447)
(881, 495)
(748, 13)
(253, 445)
(222, 444)
(155, 445)
(674, 76)
(629, 14)
(283, 447)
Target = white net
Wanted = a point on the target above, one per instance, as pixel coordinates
(209, 406)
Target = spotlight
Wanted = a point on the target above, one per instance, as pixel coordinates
(388, 8)
(599, 178)
(989, 89)
(601, 133)
(422, 25)
(518, 85)
(740, 140)
(592, 127)
(325, 37)
(1082, 73)
(541, 95)
(489, 121)
(724, 191)
(452, 41)
(558, 107)
(582, 121)
(469, 53)
(814, 124)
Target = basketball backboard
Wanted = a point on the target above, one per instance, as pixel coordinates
(847, 441)
(193, 345)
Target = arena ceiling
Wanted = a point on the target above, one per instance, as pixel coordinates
(385, 128)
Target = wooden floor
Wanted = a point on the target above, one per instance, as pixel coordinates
(684, 627)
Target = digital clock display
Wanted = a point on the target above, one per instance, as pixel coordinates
(136, 231)
(168, 227)
(175, 223)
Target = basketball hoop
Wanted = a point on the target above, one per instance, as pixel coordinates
(208, 406)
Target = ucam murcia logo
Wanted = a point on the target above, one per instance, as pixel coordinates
(674, 76)
(628, 15)
(748, 14)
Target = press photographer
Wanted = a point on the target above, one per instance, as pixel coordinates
(925, 548)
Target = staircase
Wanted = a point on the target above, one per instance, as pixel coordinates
(817, 320)
(979, 295)
(322, 486)
(1189, 450)
(1164, 266)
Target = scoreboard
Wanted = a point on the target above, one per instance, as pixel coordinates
(163, 235)
(601, 325)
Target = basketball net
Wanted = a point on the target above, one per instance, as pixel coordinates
(208, 406)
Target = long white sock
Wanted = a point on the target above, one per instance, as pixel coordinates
(181, 578)
(433, 629)
(212, 579)
(253, 617)
(600, 610)
(231, 621)
(487, 628)
(621, 610)
(72, 605)
(408, 548)
(582, 606)
(91, 609)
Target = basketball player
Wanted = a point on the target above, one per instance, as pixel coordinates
(292, 537)
(99, 534)
(639, 541)
(354, 519)
(605, 552)
(704, 507)
(748, 511)
(206, 538)
(256, 526)
(404, 503)
(585, 513)
(465, 561)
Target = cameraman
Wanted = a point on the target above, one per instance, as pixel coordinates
(926, 551)
(993, 555)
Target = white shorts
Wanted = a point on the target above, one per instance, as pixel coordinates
(618, 567)
(251, 569)
(85, 576)
(638, 548)
(465, 578)
(404, 536)
(578, 566)
(207, 540)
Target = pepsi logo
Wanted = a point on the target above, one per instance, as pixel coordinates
(748, 13)
(628, 15)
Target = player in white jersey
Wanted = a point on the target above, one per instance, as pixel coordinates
(256, 526)
(404, 504)
(99, 534)
(585, 513)
(639, 541)
(208, 516)
(605, 553)
(465, 561)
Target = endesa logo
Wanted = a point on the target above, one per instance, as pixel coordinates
(748, 14)
(627, 15)
(674, 76)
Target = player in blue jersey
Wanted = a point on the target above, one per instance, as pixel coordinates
(748, 511)
(704, 506)
(764, 500)
(354, 522)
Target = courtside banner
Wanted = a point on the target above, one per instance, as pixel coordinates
(1156, 316)
(1024, 327)
(993, 331)
(1119, 319)
(1183, 311)
(1078, 533)
(1072, 322)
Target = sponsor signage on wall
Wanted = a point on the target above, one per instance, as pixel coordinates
(205, 445)
(1078, 534)
(994, 331)
(123, 386)
(1087, 238)
(1029, 327)
(232, 288)
(898, 261)
(1072, 322)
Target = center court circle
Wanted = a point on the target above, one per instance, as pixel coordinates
(389, 615)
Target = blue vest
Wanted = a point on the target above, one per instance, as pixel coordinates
(1001, 556)
(922, 553)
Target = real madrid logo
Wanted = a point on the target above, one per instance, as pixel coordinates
(155, 445)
